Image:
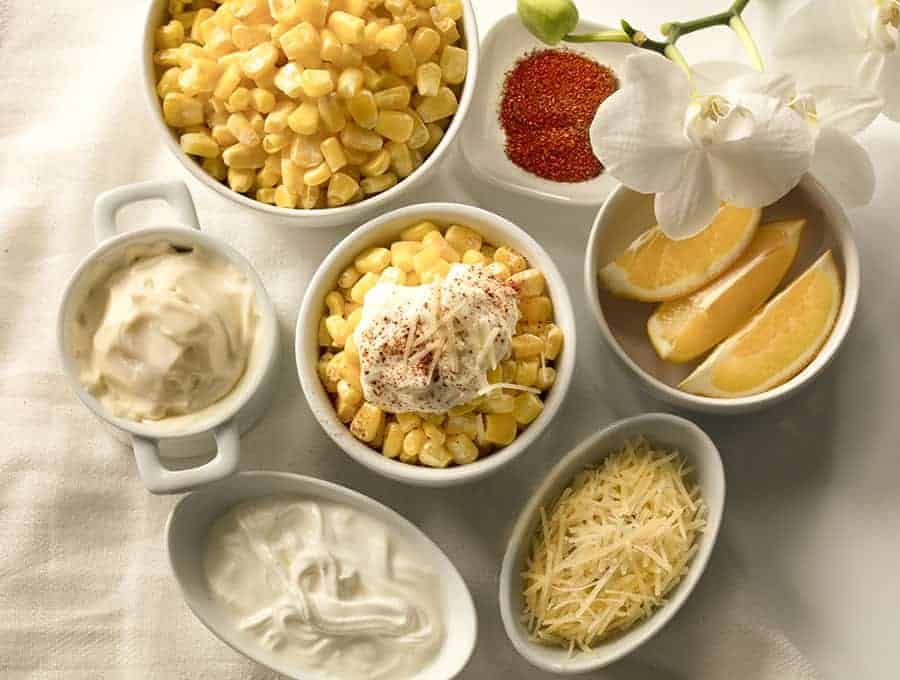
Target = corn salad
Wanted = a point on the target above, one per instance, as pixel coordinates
(423, 253)
(310, 103)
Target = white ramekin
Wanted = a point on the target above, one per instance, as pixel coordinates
(223, 420)
(623, 324)
(324, 217)
(661, 429)
(382, 231)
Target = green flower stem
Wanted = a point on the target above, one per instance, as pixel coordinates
(611, 35)
(743, 33)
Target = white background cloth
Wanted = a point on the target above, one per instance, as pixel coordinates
(803, 583)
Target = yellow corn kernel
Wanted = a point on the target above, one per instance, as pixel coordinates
(495, 375)
(474, 257)
(500, 428)
(350, 348)
(304, 120)
(527, 346)
(396, 7)
(348, 370)
(305, 151)
(200, 77)
(513, 260)
(463, 239)
(257, 122)
(188, 52)
(408, 421)
(393, 440)
(418, 231)
(462, 449)
(375, 185)
(168, 82)
(425, 260)
(334, 303)
(322, 367)
(285, 197)
(366, 423)
(170, 35)
(438, 107)
(350, 83)
(498, 402)
(454, 62)
(277, 119)
(377, 164)
(302, 44)
(262, 100)
(553, 343)
(509, 370)
(243, 157)
(435, 273)
(450, 8)
(434, 433)
(337, 329)
(331, 46)
(363, 109)
(348, 277)
(402, 61)
(527, 372)
(243, 131)
(391, 37)
(528, 283)
(373, 260)
(199, 144)
(341, 189)
(413, 442)
(266, 195)
(316, 82)
(241, 179)
(445, 250)
(435, 135)
(402, 253)
(361, 288)
(239, 100)
(498, 270)
(313, 11)
(333, 153)
(428, 79)
(393, 275)
(259, 60)
(546, 378)
(317, 175)
(393, 98)
(168, 58)
(425, 43)
(355, 137)
(528, 407)
(309, 197)
(347, 28)
(434, 455)
(394, 125)
(246, 36)
(291, 173)
(215, 167)
(325, 341)
(180, 110)
(419, 135)
(462, 424)
(349, 399)
(536, 309)
(331, 113)
(289, 79)
(401, 158)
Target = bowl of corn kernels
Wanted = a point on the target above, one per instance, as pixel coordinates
(436, 343)
(303, 110)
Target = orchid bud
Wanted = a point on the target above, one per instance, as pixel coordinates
(548, 20)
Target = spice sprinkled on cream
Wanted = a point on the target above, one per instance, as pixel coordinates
(429, 348)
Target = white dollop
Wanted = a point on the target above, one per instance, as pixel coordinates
(167, 333)
(430, 347)
(325, 587)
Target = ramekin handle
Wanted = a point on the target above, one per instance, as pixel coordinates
(108, 204)
(160, 480)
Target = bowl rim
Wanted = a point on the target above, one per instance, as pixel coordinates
(320, 403)
(320, 217)
(305, 484)
(267, 341)
(845, 243)
(591, 450)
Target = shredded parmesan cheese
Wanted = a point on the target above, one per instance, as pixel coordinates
(611, 547)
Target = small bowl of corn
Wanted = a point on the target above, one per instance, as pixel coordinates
(525, 390)
(305, 112)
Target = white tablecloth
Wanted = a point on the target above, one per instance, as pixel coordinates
(803, 583)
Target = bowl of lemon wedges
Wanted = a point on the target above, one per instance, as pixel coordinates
(735, 318)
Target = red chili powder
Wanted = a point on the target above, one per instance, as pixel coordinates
(549, 100)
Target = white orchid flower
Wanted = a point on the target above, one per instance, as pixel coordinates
(849, 42)
(835, 113)
(697, 144)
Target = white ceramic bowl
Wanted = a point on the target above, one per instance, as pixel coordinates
(663, 429)
(623, 323)
(382, 231)
(325, 217)
(224, 420)
(189, 524)
(483, 140)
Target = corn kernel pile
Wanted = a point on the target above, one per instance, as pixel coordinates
(310, 103)
(425, 252)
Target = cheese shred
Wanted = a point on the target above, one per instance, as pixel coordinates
(611, 547)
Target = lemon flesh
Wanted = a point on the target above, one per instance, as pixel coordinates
(778, 342)
(681, 330)
(655, 268)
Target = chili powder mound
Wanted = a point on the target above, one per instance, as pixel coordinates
(548, 102)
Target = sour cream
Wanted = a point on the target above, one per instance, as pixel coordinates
(430, 347)
(167, 333)
(325, 587)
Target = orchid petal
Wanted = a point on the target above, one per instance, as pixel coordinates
(690, 207)
(844, 167)
(759, 170)
(849, 109)
(709, 75)
(637, 132)
(889, 86)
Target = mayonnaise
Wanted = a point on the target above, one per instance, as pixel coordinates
(325, 587)
(430, 347)
(167, 333)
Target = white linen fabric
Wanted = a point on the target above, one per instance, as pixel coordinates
(802, 584)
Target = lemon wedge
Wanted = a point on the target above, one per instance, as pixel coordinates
(683, 329)
(655, 268)
(778, 342)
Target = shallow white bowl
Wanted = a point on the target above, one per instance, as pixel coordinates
(189, 524)
(623, 323)
(663, 429)
(382, 231)
(325, 217)
(482, 140)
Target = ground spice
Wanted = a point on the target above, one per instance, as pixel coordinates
(548, 102)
